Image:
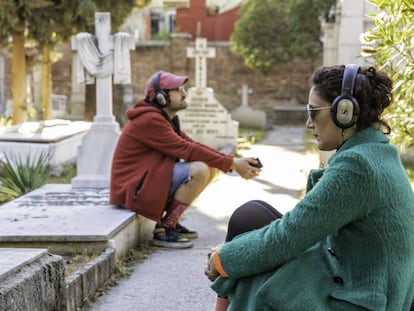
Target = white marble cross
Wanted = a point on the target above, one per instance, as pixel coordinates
(100, 57)
(201, 52)
(103, 59)
(245, 91)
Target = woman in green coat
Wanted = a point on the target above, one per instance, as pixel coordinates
(349, 243)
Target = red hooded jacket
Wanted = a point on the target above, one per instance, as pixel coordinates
(144, 158)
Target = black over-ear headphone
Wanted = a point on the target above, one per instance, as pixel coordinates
(345, 107)
(161, 97)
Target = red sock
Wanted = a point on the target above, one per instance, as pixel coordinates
(173, 213)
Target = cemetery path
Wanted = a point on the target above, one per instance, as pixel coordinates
(174, 279)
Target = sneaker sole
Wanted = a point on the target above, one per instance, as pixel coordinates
(175, 245)
(191, 235)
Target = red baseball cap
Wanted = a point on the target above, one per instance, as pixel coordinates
(166, 81)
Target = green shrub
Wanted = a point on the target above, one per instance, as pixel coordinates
(19, 176)
(256, 134)
(65, 177)
(409, 167)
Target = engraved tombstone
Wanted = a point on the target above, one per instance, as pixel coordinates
(205, 119)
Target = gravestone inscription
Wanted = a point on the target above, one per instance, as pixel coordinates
(205, 119)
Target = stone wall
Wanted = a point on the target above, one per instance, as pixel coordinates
(286, 84)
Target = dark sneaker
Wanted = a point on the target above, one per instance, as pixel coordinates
(168, 237)
(185, 232)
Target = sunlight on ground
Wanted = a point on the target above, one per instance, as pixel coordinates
(281, 182)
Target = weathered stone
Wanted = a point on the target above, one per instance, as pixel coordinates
(39, 285)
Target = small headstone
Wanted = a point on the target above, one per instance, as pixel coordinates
(59, 105)
(205, 119)
(247, 116)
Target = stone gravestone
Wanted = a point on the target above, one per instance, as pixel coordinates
(205, 119)
(100, 57)
(59, 105)
(247, 116)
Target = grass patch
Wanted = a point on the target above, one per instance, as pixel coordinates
(123, 268)
(74, 262)
(69, 171)
(258, 134)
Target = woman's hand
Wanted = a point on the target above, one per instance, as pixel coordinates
(210, 270)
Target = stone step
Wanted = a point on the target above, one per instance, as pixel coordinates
(58, 220)
(31, 279)
(67, 221)
(12, 259)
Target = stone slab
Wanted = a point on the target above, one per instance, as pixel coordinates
(290, 115)
(43, 132)
(57, 213)
(249, 117)
(13, 259)
(61, 138)
(39, 285)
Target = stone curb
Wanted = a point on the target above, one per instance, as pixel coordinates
(86, 281)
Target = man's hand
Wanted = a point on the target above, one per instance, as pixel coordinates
(245, 167)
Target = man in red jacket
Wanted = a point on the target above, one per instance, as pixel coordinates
(158, 170)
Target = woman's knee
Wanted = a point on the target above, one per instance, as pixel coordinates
(251, 215)
(254, 208)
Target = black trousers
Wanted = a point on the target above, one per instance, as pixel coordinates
(252, 215)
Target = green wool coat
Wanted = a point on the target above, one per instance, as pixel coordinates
(347, 245)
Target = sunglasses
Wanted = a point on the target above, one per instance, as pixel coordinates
(313, 112)
(181, 89)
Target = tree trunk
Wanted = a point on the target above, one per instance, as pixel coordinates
(46, 84)
(19, 84)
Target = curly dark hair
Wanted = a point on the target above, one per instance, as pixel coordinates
(373, 91)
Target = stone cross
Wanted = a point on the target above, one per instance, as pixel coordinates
(201, 52)
(104, 49)
(103, 85)
(101, 57)
(245, 91)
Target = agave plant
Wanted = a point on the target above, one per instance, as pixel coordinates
(19, 176)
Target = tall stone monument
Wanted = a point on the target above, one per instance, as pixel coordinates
(100, 57)
(205, 119)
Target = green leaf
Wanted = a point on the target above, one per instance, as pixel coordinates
(20, 176)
